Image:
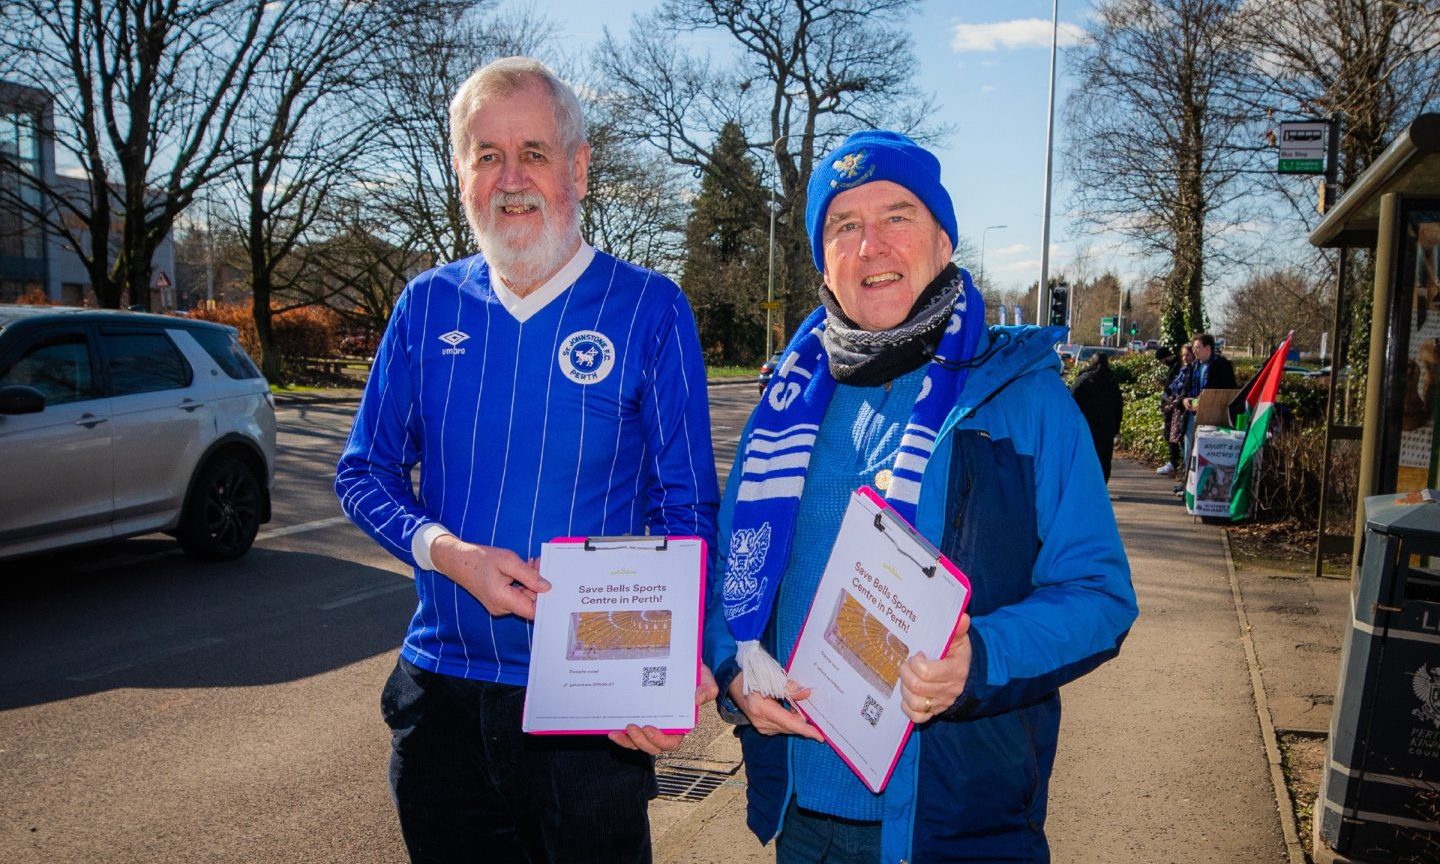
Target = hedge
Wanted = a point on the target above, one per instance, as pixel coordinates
(305, 332)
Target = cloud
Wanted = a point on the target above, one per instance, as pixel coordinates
(987, 88)
(1012, 249)
(1019, 33)
(1018, 267)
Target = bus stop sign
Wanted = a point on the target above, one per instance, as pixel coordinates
(1303, 146)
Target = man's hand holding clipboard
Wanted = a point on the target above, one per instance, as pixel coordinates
(887, 602)
(928, 687)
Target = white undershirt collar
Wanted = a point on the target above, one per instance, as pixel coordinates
(522, 308)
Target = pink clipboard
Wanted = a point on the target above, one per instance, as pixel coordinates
(943, 567)
(663, 541)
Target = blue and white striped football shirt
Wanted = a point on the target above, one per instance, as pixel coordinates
(585, 416)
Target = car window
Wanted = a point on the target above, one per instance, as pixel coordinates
(225, 350)
(139, 362)
(58, 365)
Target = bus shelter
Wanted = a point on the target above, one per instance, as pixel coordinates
(1393, 209)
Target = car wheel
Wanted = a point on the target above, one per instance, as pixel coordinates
(223, 515)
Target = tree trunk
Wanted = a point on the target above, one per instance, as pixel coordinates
(261, 284)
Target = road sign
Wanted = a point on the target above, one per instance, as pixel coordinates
(769, 304)
(1303, 146)
(1108, 326)
(162, 281)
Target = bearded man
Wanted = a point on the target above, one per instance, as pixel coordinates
(547, 389)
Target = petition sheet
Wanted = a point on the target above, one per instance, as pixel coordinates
(885, 595)
(617, 637)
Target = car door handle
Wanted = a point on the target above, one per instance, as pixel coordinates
(90, 421)
(189, 405)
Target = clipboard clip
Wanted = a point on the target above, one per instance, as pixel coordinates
(627, 541)
(929, 571)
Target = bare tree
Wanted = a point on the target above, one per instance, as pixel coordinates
(410, 167)
(1260, 312)
(145, 97)
(355, 270)
(808, 72)
(1159, 136)
(303, 140)
(637, 203)
(1372, 64)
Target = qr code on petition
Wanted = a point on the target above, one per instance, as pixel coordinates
(871, 711)
(653, 676)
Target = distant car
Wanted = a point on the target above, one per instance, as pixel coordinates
(1137, 345)
(114, 424)
(767, 369)
(1291, 369)
(1323, 373)
(1067, 352)
(1087, 351)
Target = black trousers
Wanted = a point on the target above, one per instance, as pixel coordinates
(469, 786)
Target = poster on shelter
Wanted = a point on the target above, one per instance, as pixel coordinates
(1420, 384)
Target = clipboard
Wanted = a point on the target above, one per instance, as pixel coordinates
(617, 637)
(885, 594)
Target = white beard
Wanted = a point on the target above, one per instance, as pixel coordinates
(520, 261)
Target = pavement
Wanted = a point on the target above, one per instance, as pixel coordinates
(1172, 752)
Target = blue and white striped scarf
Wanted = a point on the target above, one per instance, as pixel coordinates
(777, 454)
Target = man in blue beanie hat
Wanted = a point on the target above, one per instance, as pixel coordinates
(894, 382)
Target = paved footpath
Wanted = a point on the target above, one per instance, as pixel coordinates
(1161, 755)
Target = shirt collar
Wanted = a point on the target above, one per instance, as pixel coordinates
(522, 308)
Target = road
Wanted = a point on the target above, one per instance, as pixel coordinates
(156, 709)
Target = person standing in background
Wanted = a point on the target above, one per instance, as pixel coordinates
(1210, 370)
(1103, 405)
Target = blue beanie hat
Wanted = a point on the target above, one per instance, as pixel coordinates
(864, 158)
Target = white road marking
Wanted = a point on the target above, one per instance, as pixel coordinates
(315, 525)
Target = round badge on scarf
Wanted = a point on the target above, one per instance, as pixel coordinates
(586, 356)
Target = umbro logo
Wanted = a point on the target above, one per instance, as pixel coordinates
(453, 339)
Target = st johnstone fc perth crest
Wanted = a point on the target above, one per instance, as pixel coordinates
(748, 547)
(586, 356)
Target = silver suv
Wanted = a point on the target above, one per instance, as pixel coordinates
(114, 424)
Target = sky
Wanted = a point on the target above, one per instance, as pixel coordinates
(988, 64)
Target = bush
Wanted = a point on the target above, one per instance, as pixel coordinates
(1290, 469)
(34, 297)
(233, 315)
(307, 332)
(1142, 429)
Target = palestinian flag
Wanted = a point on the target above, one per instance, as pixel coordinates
(1251, 412)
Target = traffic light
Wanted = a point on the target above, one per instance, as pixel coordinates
(1059, 305)
(1134, 328)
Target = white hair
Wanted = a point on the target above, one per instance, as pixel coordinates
(504, 77)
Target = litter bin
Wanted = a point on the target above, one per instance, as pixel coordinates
(1380, 796)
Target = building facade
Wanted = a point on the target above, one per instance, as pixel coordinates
(37, 261)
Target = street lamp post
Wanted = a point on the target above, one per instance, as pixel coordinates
(987, 230)
(770, 278)
(1049, 154)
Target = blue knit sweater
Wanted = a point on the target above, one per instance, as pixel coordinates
(859, 436)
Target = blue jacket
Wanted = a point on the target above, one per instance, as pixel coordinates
(1014, 495)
